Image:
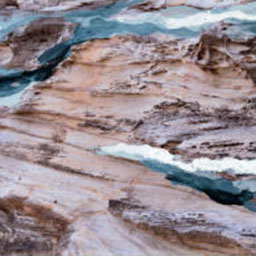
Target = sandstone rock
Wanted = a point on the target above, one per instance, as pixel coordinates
(47, 150)
(187, 228)
(6, 54)
(59, 197)
(31, 229)
(216, 50)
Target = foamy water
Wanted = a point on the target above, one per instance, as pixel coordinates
(194, 20)
(143, 153)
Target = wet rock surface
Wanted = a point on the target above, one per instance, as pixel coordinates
(30, 42)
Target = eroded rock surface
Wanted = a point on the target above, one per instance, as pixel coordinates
(187, 128)
(31, 229)
(186, 228)
(106, 93)
(191, 97)
(194, 126)
(53, 5)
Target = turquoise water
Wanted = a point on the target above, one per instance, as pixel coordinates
(204, 175)
(218, 189)
(10, 23)
(105, 22)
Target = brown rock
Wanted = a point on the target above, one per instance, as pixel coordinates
(103, 94)
(27, 45)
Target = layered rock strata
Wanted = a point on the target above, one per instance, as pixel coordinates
(106, 93)
(193, 98)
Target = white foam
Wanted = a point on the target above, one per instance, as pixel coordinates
(195, 20)
(146, 152)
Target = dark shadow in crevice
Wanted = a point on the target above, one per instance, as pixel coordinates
(219, 189)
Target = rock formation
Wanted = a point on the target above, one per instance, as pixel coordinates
(52, 5)
(193, 97)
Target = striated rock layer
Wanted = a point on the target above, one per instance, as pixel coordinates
(112, 90)
(192, 97)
